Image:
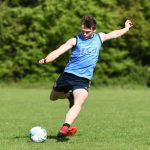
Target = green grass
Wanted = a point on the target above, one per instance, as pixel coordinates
(112, 119)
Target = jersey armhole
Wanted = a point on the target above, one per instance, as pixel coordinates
(76, 42)
(100, 38)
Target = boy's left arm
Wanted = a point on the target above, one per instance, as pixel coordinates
(118, 33)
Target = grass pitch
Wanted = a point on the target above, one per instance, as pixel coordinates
(111, 119)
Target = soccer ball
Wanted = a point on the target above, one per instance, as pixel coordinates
(37, 134)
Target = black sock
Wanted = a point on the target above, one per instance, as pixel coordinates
(66, 124)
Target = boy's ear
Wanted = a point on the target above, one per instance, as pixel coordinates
(93, 28)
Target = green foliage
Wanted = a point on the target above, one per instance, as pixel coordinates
(30, 29)
(138, 40)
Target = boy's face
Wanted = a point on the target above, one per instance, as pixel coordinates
(86, 32)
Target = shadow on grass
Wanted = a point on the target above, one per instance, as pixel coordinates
(48, 137)
(20, 137)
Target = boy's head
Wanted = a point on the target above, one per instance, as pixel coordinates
(89, 22)
(88, 26)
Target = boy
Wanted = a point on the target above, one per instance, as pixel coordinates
(73, 83)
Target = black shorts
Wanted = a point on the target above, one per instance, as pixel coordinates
(68, 81)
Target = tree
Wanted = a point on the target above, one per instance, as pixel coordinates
(30, 29)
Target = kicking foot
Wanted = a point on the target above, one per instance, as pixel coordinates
(65, 131)
(72, 131)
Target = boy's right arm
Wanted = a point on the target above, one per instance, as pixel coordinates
(59, 51)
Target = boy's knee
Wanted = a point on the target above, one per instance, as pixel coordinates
(56, 95)
(52, 98)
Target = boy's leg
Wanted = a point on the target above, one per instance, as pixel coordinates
(80, 96)
(70, 98)
(61, 95)
(57, 95)
(60, 88)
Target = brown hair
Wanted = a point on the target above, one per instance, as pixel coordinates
(89, 22)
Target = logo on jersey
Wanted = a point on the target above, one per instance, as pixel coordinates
(88, 51)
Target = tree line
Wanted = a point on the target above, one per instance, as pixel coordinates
(30, 29)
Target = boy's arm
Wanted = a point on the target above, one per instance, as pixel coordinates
(116, 33)
(59, 51)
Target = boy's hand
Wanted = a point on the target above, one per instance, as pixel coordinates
(128, 24)
(42, 61)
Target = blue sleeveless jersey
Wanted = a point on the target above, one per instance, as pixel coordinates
(84, 56)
